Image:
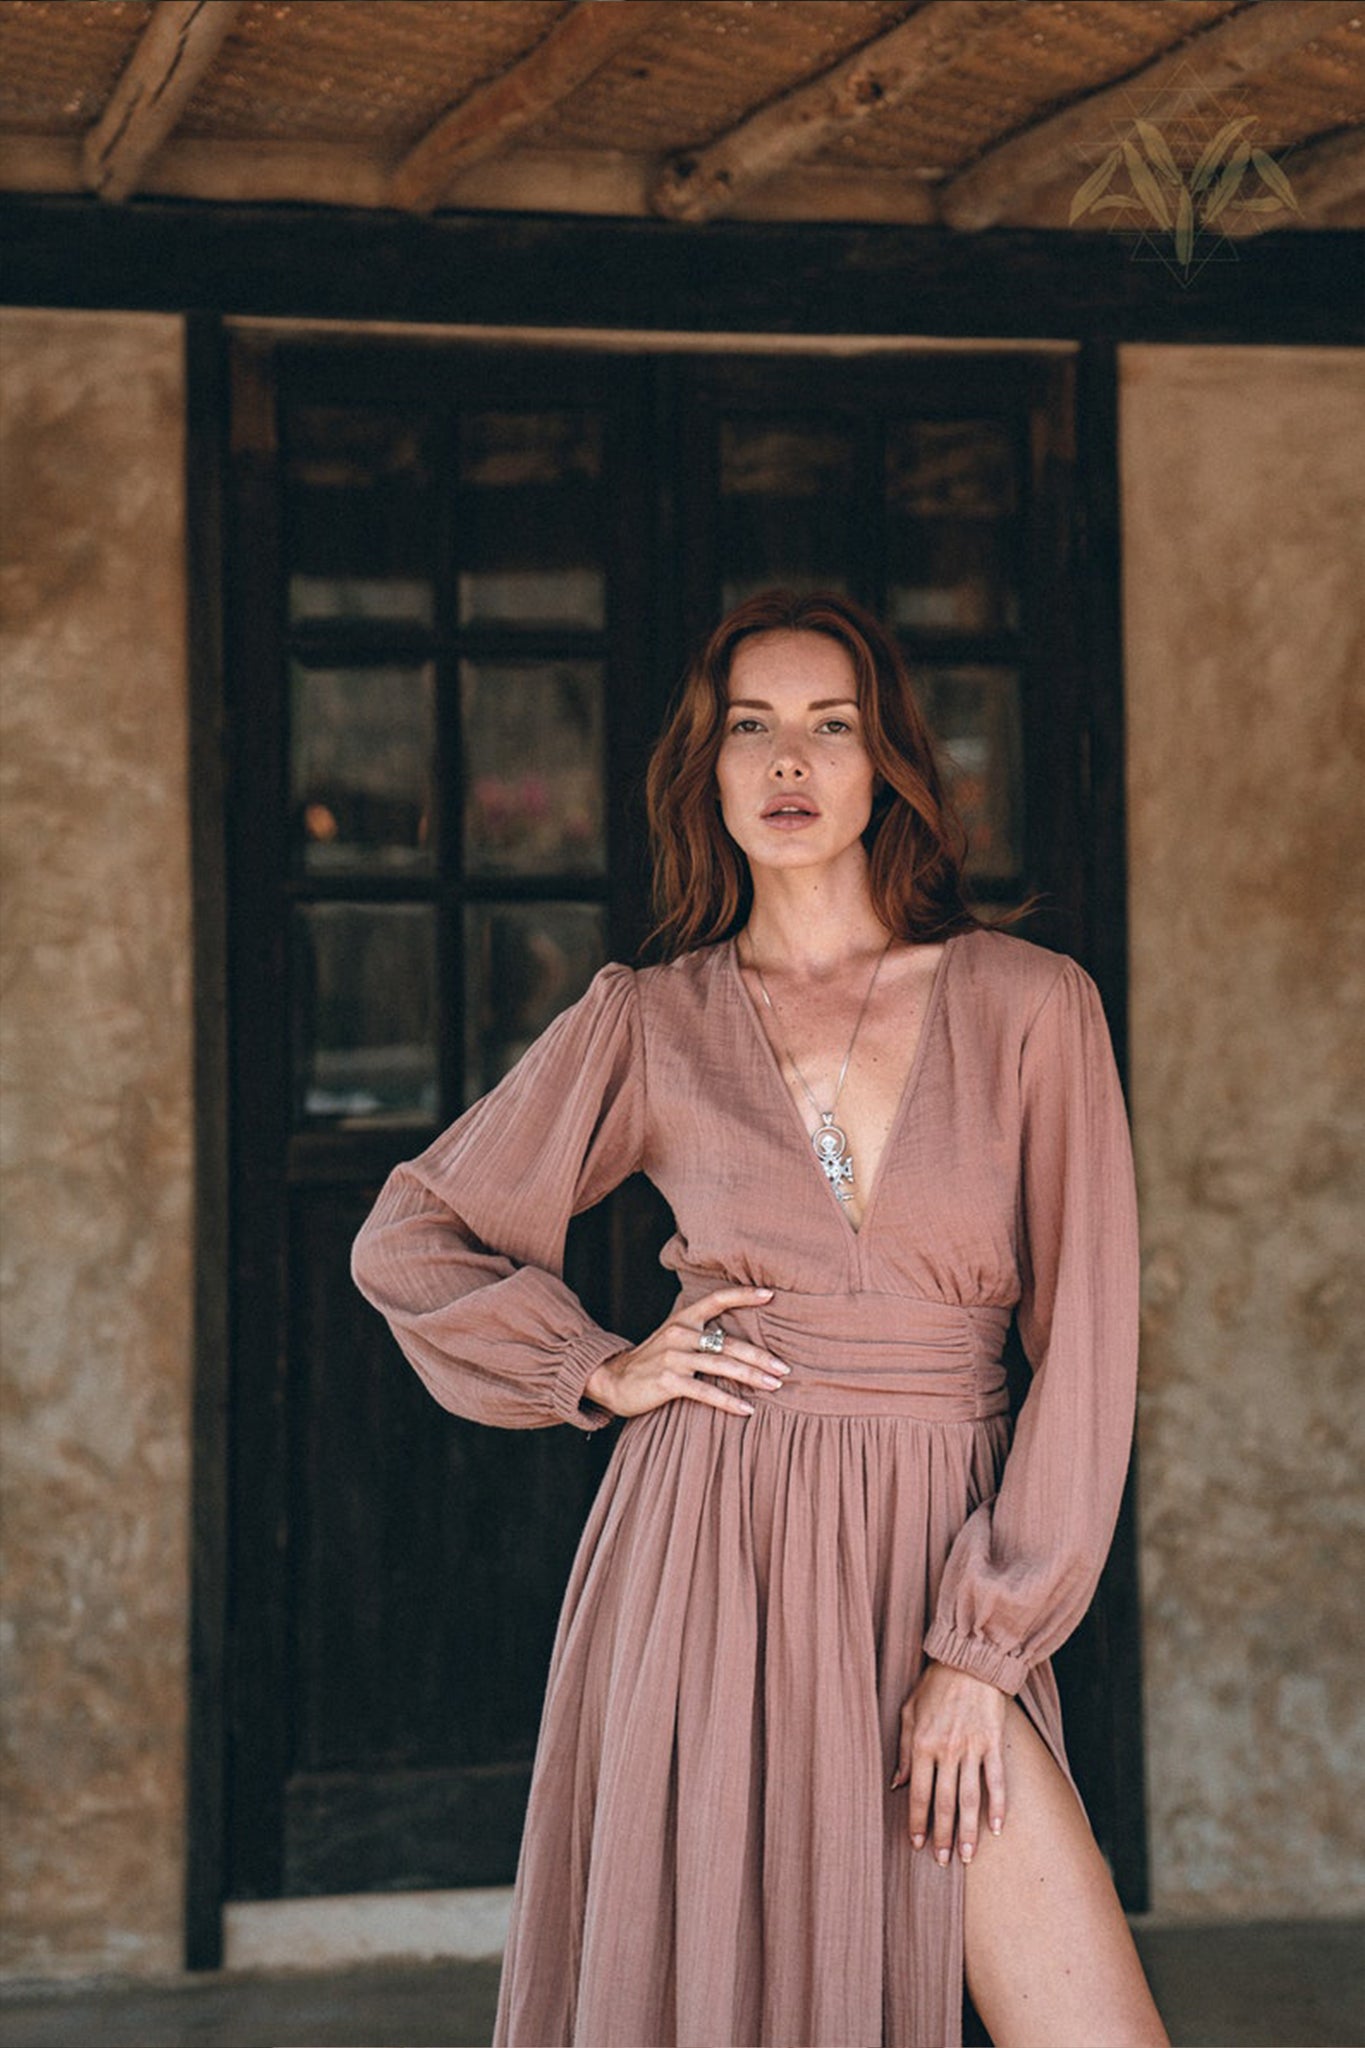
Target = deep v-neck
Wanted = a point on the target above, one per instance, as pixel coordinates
(855, 1231)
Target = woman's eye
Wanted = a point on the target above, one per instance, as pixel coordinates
(745, 725)
(837, 725)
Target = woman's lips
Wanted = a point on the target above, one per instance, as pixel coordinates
(790, 821)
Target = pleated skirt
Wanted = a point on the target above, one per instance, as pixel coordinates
(712, 1855)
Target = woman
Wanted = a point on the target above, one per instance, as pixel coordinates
(801, 1758)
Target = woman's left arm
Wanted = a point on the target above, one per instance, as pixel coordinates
(1025, 1565)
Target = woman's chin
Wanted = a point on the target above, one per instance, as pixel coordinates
(784, 851)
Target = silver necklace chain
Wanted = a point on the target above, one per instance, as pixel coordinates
(830, 1142)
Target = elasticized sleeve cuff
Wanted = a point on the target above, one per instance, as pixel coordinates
(973, 1654)
(581, 1358)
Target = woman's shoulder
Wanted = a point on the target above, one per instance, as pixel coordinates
(677, 994)
(1015, 973)
(619, 981)
(612, 987)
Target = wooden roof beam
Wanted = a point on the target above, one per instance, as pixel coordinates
(880, 73)
(1004, 182)
(173, 52)
(578, 44)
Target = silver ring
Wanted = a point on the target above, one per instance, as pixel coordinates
(712, 1338)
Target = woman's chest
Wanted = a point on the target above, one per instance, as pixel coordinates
(848, 1071)
(935, 1155)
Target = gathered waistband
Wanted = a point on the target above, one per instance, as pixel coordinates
(873, 1354)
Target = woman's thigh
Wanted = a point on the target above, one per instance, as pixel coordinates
(1050, 1960)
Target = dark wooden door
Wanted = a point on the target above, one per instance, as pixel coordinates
(460, 586)
(437, 592)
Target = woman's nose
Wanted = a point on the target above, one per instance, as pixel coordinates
(788, 761)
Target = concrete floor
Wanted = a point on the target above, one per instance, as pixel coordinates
(1277, 1985)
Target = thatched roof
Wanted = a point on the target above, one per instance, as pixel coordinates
(965, 112)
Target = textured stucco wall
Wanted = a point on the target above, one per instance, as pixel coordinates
(1243, 491)
(96, 1274)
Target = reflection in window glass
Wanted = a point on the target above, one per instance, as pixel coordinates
(950, 578)
(950, 499)
(975, 717)
(530, 545)
(524, 963)
(786, 510)
(963, 469)
(360, 517)
(362, 742)
(365, 1012)
(533, 752)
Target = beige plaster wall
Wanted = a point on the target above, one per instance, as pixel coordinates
(1243, 490)
(95, 1285)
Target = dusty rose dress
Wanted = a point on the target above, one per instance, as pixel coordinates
(712, 1855)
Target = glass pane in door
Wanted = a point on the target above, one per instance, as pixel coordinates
(530, 538)
(358, 510)
(975, 716)
(786, 506)
(524, 963)
(533, 758)
(361, 753)
(365, 1013)
(950, 500)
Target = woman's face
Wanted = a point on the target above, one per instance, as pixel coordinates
(795, 780)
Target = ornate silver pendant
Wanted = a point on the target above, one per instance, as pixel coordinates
(831, 1149)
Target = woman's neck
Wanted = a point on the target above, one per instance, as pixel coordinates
(811, 921)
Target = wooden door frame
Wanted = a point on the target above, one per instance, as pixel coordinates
(205, 431)
(564, 271)
(1099, 627)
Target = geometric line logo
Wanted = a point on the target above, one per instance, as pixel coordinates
(1179, 170)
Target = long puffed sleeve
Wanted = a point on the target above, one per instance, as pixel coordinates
(1024, 1566)
(463, 1252)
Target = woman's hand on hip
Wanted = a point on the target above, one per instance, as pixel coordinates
(952, 1738)
(665, 1366)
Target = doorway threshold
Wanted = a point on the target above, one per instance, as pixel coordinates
(360, 1927)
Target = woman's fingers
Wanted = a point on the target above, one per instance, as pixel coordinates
(902, 1770)
(949, 1795)
(945, 1808)
(715, 1304)
(995, 1790)
(951, 1742)
(738, 1358)
(682, 1387)
(968, 1809)
(737, 1362)
(673, 1364)
(921, 1794)
(683, 1339)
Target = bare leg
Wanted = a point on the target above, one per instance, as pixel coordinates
(1050, 1960)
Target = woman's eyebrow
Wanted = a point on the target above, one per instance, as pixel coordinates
(816, 703)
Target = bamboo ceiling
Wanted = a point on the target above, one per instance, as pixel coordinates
(1039, 113)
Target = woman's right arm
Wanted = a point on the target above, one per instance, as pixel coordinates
(463, 1253)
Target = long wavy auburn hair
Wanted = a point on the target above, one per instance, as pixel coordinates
(915, 842)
